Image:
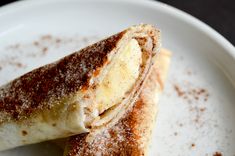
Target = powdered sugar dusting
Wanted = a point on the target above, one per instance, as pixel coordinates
(130, 136)
(125, 138)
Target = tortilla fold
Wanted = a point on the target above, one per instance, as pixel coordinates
(87, 91)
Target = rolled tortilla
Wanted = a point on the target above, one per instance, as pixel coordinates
(132, 134)
(86, 91)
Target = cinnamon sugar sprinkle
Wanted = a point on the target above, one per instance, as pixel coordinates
(217, 154)
(193, 145)
(40, 47)
(195, 99)
(179, 91)
(44, 86)
(124, 138)
(193, 95)
(190, 94)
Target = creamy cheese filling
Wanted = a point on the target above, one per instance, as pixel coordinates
(120, 78)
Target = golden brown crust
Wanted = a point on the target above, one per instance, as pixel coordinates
(60, 99)
(131, 135)
(42, 87)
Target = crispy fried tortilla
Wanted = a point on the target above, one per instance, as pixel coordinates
(87, 91)
(132, 134)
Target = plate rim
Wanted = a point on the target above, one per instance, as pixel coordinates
(167, 9)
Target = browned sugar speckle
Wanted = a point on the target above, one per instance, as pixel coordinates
(46, 37)
(44, 50)
(12, 61)
(54, 124)
(36, 43)
(179, 91)
(191, 94)
(24, 133)
(189, 72)
(195, 97)
(18, 64)
(217, 154)
(58, 40)
(202, 109)
(181, 125)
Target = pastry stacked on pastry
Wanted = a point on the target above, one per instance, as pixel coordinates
(131, 135)
(87, 95)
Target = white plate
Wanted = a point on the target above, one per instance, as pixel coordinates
(190, 124)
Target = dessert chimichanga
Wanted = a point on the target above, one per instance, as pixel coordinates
(87, 91)
(132, 134)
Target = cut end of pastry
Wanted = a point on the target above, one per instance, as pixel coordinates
(131, 135)
(121, 77)
(116, 84)
(113, 89)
